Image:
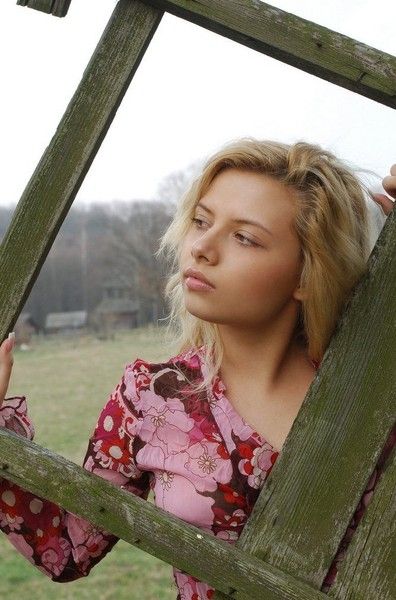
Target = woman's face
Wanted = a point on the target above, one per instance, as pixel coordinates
(254, 268)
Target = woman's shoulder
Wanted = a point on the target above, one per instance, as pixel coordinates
(164, 377)
(190, 357)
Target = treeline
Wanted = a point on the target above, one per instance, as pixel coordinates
(96, 244)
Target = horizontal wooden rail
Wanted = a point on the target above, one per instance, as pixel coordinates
(295, 41)
(141, 524)
(64, 164)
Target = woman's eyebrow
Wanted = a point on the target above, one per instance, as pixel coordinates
(241, 221)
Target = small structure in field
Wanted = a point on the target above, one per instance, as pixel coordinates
(66, 322)
(116, 310)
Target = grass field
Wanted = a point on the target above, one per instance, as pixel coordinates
(66, 381)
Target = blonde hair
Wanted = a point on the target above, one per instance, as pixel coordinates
(331, 224)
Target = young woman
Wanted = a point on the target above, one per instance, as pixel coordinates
(267, 246)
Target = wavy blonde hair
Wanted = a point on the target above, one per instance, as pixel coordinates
(331, 224)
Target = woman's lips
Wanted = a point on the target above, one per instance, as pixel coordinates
(196, 284)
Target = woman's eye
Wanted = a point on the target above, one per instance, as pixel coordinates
(245, 241)
(198, 222)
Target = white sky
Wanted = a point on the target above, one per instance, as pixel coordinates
(194, 91)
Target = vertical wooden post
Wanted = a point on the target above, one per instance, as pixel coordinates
(64, 164)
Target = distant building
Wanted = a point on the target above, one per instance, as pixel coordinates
(66, 322)
(24, 328)
(116, 310)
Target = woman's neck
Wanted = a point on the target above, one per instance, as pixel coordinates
(267, 358)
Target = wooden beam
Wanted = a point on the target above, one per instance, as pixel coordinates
(64, 164)
(141, 524)
(295, 41)
(330, 453)
(369, 568)
(58, 8)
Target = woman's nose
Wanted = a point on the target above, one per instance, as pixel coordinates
(204, 247)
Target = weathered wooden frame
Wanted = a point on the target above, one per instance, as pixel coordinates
(54, 184)
(308, 46)
(143, 525)
(298, 521)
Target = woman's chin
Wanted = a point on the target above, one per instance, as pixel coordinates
(207, 316)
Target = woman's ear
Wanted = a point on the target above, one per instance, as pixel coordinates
(299, 293)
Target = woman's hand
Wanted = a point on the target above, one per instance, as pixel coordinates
(389, 185)
(6, 362)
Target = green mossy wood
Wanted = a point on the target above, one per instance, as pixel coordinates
(54, 184)
(58, 8)
(313, 48)
(340, 430)
(140, 523)
(369, 569)
(304, 508)
(295, 41)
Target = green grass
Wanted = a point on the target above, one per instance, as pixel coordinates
(67, 380)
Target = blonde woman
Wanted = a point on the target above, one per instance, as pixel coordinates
(266, 247)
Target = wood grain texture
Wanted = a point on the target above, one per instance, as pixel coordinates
(369, 568)
(295, 41)
(64, 164)
(306, 504)
(58, 8)
(143, 525)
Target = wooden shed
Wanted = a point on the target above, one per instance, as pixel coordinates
(66, 322)
(116, 310)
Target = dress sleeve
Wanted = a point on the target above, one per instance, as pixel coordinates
(60, 544)
(360, 510)
(13, 416)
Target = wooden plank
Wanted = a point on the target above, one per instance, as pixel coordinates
(42, 5)
(295, 41)
(141, 524)
(64, 164)
(58, 8)
(369, 568)
(308, 500)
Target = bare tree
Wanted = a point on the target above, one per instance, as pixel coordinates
(174, 185)
(117, 240)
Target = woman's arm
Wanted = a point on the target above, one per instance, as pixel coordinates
(60, 544)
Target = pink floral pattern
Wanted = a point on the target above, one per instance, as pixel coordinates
(202, 461)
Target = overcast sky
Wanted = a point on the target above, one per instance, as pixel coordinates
(194, 91)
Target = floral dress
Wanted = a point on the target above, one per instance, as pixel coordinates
(204, 463)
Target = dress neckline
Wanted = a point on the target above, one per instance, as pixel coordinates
(219, 385)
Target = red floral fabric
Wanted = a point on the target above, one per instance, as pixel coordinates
(204, 463)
